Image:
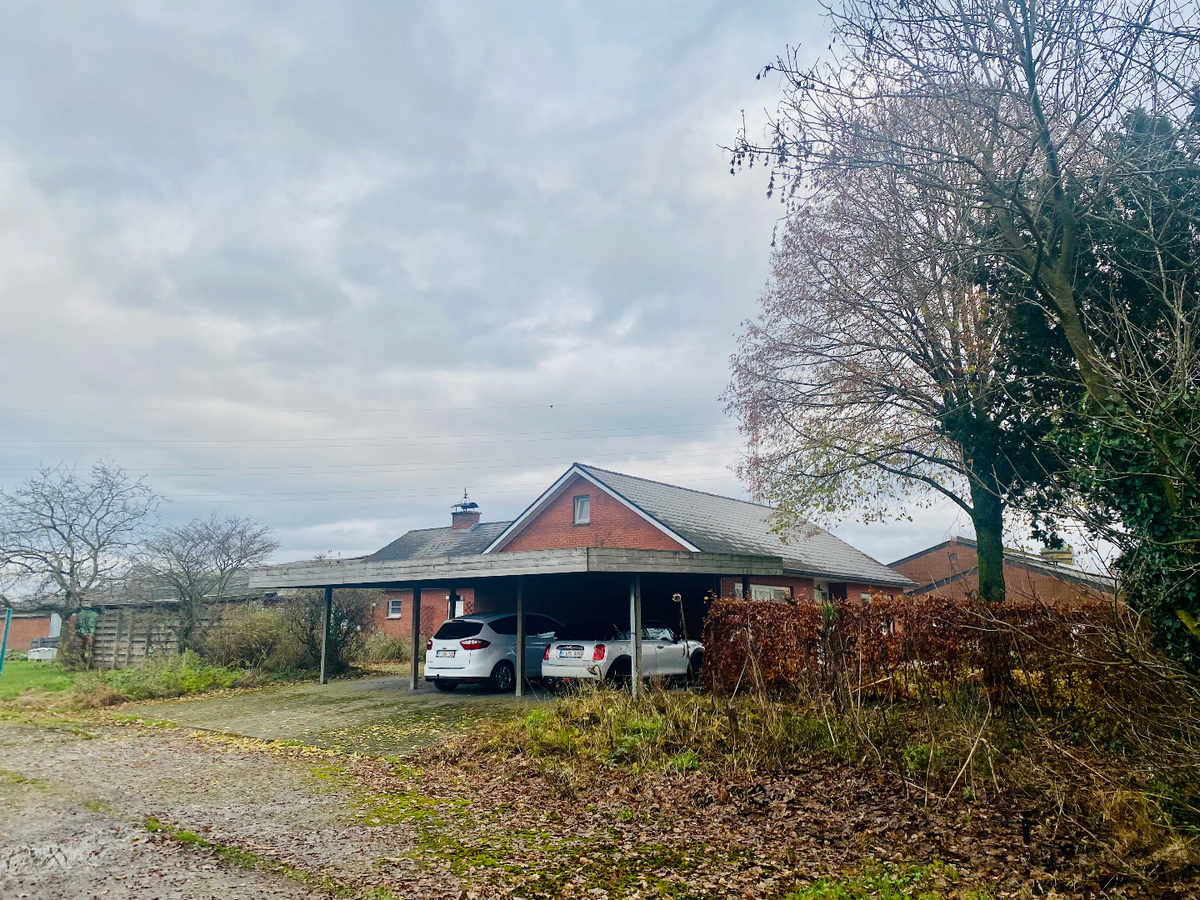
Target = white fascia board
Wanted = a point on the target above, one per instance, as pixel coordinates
(555, 490)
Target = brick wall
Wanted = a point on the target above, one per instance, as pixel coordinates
(434, 607)
(612, 525)
(24, 629)
(1020, 582)
(802, 588)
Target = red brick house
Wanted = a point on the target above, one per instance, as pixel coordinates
(951, 569)
(590, 507)
(28, 626)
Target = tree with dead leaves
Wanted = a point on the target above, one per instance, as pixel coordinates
(1022, 117)
(870, 382)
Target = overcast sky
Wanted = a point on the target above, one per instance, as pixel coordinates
(330, 264)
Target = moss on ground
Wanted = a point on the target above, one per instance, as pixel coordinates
(10, 777)
(247, 859)
(891, 882)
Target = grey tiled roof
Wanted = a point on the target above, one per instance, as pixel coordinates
(435, 542)
(718, 524)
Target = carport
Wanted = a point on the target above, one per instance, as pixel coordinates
(574, 584)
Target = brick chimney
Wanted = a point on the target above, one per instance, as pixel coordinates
(464, 513)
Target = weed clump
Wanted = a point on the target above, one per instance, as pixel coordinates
(161, 679)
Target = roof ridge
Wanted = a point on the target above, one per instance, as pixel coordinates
(451, 528)
(675, 486)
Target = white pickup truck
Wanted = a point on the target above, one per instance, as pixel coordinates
(664, 655)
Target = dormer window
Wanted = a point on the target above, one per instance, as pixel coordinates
(583, 510)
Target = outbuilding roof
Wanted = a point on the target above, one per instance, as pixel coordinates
(429, 543)
(714, 524)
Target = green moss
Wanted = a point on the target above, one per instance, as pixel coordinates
(17, 778)
(246, 859)
(891, 882)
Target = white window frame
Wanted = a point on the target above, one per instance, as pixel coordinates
(395, 609)
(583, 502)
(771, 592)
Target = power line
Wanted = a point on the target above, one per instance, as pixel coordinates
(349, 410)
(440, 439)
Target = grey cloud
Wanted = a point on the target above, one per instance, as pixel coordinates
(256, 223)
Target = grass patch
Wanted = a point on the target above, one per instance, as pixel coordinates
(600, 727)
(891, 882)
(11, 777)
(21, 675)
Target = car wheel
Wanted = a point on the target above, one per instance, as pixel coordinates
(620, 673)
(694, 664)
(504, 677)
(446, 685)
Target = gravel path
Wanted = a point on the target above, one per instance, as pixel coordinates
(76, 807)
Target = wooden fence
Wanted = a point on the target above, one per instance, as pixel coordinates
(126, 636)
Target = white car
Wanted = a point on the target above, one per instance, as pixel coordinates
(664, 654)
(483, 650)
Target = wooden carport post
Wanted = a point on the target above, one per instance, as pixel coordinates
(635, 631)
(519, 688)
(325, 630)
(415, 614)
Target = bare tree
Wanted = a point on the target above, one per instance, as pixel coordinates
(196, 562)
(870, 382)
(1010, 106)
(65, 537)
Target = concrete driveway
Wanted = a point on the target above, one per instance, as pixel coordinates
(376, 715)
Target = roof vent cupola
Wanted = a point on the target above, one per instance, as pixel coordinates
(464, 513)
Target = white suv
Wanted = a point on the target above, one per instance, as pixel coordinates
(483, 650)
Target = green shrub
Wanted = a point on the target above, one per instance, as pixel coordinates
(252, 639)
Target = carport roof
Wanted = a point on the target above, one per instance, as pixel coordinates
(363, 572)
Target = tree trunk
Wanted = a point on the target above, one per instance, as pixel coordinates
(988, 517)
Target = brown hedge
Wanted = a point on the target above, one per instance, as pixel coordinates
(884, 645)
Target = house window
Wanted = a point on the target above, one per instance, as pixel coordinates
(770, 592)
(394, 608)
(953, 557)
(764, 592)
(821, 591)
(583, 510)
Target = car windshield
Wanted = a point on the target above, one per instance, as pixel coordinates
(456, 629)
(649, 633)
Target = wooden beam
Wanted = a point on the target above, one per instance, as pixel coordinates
(362, 573)
(325, 631)
(519, 689)
(635, 632)
(415, 615)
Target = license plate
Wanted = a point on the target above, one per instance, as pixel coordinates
(441, 653)
(570, 654)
